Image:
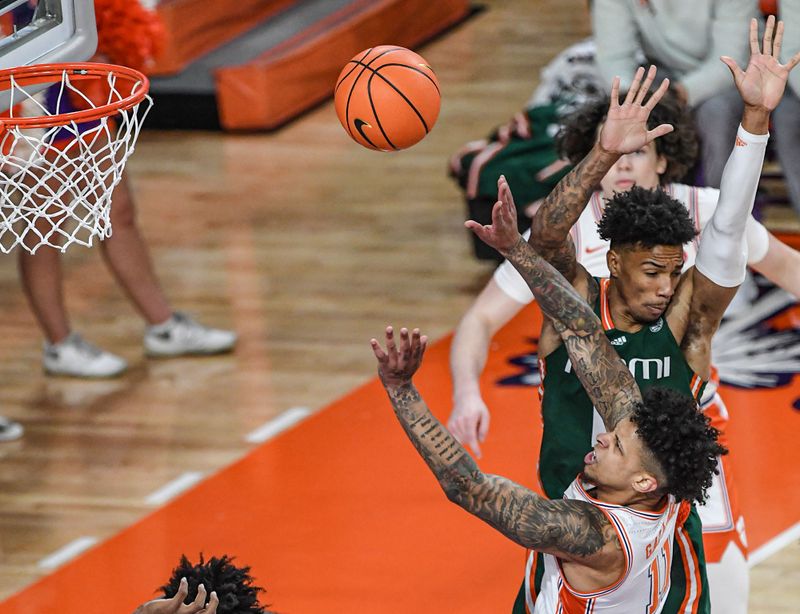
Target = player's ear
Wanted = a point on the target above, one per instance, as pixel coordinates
(645, 482)
(613, 262)
(661, 165)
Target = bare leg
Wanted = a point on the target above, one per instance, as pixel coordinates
(127, 257)
(42, 282)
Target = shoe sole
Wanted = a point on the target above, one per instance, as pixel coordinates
(189, 354)
(52, 373)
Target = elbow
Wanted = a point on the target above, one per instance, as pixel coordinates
(463, 491)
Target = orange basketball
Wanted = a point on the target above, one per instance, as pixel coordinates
(387, 98)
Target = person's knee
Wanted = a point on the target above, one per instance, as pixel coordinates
(123, 213)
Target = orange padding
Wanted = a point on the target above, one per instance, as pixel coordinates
(302, 71)
(196, 27)
(792, 239)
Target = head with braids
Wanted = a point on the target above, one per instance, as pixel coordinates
(667, 159)
(233, 585)
(646, 230)
(666, 447)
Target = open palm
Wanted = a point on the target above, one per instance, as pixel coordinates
(625, 128)
(763, 82)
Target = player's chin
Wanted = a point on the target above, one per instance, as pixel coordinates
(647, 314)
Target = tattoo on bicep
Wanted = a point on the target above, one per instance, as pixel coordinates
(562, 527)
(557, 298)
(567, 528)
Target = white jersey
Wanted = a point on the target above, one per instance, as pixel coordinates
(591, 250)
(646, 540)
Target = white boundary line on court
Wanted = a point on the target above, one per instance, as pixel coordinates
(172, 489)
(68, 552)
(777, 543)
(285, 421)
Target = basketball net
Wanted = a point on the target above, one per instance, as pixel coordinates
(59, 170)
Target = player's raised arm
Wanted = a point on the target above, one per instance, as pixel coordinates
(722, 255)
(572, 530)
(624, 131)
(604, 376)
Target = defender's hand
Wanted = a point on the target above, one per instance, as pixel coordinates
(763, 82)
(625, 128)
(502, 233)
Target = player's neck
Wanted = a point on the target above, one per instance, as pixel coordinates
(642, 502)
(620, 313)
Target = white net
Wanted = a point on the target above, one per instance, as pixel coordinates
(56, 181)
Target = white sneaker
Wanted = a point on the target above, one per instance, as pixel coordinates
(10, 430)
(182, 336)
(78, 358)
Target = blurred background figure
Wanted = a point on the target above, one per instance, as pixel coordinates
(130, 35)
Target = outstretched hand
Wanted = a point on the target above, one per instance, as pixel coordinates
(763, 82)
(175, 605)
(396, 366)
(625, 128)
(502, 234)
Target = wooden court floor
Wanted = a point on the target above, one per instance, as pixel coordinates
(306, 245)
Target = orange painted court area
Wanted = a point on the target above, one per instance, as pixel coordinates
(341, 515)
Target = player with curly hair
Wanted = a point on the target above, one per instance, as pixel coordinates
(213, 586)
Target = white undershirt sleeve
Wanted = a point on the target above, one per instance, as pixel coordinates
(510, 281)
(722, 254)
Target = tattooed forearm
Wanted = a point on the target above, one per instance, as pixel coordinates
(557, 298)
(448, 460)
(570, 529)
(563, 206)
(604, 376)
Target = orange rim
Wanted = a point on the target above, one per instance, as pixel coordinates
(53, 73)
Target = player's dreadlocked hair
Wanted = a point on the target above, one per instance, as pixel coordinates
(579, 133)
(234, 585)
(681, 441)
(647, 218)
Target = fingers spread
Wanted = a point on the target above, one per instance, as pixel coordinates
(768, 35)
(733, 67)
(793, 61)
(634, 89)
(776, 46)
(651, 75)
(657, 95)
(754, 50)
(659, 131)
(615, 92)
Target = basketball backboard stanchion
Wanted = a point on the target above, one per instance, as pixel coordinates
(54, 31)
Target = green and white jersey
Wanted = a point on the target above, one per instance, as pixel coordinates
(570, 422)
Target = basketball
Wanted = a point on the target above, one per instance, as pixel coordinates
(387, 98)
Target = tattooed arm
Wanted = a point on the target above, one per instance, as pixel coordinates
(604, 376)
(624, 131)
(572, 530)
